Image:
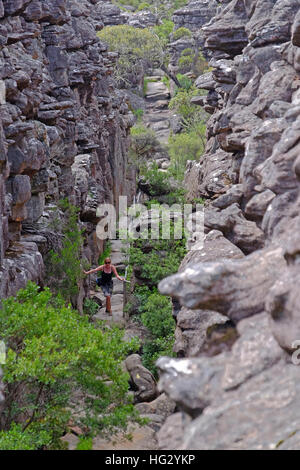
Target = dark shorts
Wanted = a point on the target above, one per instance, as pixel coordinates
(107, 289)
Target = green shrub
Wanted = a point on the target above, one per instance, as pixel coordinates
(157, 181)
(106, 253)
(143, 6)
(136, 47)
(162, 260)
(90, 307)
(186, 146)
(185, 82)
(185, 63)
(157, 315)
(85, 443)
(181, 32)
(139, 114)
(153, 350)
(164, 30)
(166, 81)
(29, 439)
(63, 267)
(143, 144)
(51, 352)
(155, 260)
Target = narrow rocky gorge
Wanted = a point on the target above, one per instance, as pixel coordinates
(64, 133)
(246, 396)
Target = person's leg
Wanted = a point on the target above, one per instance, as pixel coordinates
(108, 304)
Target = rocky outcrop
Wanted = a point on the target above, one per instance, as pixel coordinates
(245, 396)
(63, 131)
(192, 17)
(195, 14)
(143, 382)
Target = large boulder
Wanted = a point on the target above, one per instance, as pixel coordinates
(143, 382)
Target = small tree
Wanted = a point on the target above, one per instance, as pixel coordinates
(52, 353)
(137, 49)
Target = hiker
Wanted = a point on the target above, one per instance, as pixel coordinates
(105, 281)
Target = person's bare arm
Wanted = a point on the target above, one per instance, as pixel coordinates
(116, 273)
(99, 268)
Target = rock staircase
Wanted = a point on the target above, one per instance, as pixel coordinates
(118, 259)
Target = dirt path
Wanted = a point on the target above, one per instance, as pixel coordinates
(142, 438)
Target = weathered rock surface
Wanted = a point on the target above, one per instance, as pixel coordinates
(247, 394)
(143, 382)
(63, 129)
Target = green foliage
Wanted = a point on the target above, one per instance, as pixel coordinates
(64, 269)
(18, 439)
(143, 6)
(163, 258)
(166, 81)
(139, 114)
(185, 82)
(181, 103)
(106, 253)
(153, 350)
(90, 307)
(181, 33)
(53, 351)
(157, 181)
(142, 145)
(189, 144)
(85, 443)
(136, 48)
(157, 315)
(186, 146)
(164, 30)
(185, 63)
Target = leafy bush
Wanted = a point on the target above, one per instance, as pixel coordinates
(153, 260)
(106, 252)
(143, 6)
(181, 32)
(19, 439)
(85, 443)
(157, 259)
(143, 144)
(153, 350)
(185, 63)
(156, 181)
(164, 30)
(157, 315)
(166, 81)
(137, 48)
(51, 352)
(64, 269)
(90, 307)
(139, 114)
(186, 146)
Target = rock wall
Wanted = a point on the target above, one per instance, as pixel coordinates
(63, 131)
(239, 293)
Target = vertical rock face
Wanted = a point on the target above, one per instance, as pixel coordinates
(63, 128)
(192, 17)
(247, 397)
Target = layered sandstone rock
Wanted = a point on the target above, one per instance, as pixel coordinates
(63, 130)
(246, 397)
